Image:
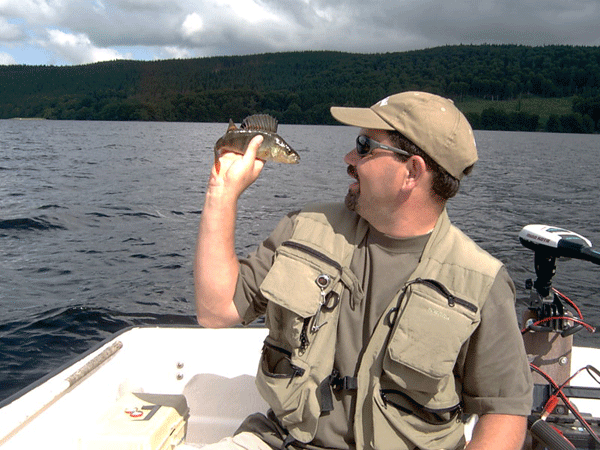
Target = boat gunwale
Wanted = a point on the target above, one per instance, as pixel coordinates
(78, 358)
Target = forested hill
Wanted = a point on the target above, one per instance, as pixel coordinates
(298, 87)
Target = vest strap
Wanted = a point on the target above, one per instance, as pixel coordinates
(344, 383)
(335, 382)
(289, 440)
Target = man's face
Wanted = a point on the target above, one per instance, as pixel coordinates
(378, 176)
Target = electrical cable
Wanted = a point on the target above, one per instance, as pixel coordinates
(569, 301)
(559, 393)
(532, 324)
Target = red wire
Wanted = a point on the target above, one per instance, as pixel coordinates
(570, 302)
(587, 326)
(565, 399)
(553, 400)
(579, 321)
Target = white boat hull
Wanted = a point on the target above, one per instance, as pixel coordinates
(214, 369)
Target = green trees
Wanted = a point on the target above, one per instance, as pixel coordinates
(299, 87)
(495, 119)
(588, 107)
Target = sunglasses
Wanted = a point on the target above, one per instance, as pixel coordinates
(365, 145)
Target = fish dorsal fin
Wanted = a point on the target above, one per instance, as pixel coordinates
(263, 122)
(231, 126)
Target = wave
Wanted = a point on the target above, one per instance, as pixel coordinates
(52, 206)
(156, 215)
(59, 335)
(36, 223)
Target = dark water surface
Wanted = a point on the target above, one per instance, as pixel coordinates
(98, 221)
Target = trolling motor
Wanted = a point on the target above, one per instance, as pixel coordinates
(548, 326)
(548, 337)
(550, 243)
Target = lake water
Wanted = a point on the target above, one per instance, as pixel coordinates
(98, 221)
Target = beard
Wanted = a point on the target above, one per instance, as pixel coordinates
(351, 199)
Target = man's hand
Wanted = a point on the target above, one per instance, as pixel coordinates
(236, 172)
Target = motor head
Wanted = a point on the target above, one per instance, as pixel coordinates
(558, 242)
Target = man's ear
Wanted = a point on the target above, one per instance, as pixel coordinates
(416, 167)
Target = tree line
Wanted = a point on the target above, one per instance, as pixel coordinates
(299, 87)
(585, 118)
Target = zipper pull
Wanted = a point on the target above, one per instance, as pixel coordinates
(304, 342)
(298, 372)
(451, 301)
(322, 281)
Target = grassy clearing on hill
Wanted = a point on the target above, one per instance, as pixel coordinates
(544, 107)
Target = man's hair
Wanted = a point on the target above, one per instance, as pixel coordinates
(444, 185)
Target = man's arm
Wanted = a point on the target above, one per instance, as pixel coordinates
(216, 266)
(498, 432)
(497, 379)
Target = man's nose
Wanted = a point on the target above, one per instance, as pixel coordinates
(351, 157)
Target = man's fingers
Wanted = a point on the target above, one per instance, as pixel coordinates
(252, 150)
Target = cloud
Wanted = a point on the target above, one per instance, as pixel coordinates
(138, 6)
(6, 59)
(248, 11)
(32, 10)
(10, 32)
(173, 53)
(90, 30)
(77, 48)
(192, 26)
(528, 22)
(233, 24)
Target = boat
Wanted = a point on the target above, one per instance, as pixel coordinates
(159, 387)
(212, 369)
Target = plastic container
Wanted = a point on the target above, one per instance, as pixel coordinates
(140, 421)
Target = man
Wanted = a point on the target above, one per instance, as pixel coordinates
(386, 323)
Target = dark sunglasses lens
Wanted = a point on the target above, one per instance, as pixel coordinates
(362, 145)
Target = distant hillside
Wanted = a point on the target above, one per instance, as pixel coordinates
(299, 87)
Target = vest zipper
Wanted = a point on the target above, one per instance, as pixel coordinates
(311, 251)
(419, 410)
(297, 371)
(452, 300)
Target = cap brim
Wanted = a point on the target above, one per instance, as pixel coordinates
(359, 117)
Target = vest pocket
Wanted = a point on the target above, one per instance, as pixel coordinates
(394, 424)
(288, 388)
(301, 287)
(279, 380)
(276, 362)
(405, 403)
(429, 330)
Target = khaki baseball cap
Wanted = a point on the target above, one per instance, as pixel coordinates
(431, 122)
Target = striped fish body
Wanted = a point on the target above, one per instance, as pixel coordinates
(272, 148)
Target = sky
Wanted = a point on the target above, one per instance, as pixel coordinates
(73, 32)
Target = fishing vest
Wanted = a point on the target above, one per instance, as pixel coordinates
(407, 395)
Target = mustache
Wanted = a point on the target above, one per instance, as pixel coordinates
(352, 172)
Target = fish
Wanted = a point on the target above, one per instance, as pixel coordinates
(272, 148)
